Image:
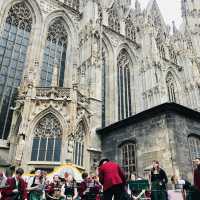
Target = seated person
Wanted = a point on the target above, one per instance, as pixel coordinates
(89, 188)
(181, 187)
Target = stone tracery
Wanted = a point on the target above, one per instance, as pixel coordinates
(20, 15)
(113, 20)
(48, 126)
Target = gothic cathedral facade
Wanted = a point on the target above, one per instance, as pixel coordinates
(69, 67)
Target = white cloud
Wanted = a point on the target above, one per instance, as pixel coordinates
(171, 10)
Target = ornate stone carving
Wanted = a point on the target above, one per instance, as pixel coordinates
(57, 32)
(20, 15)
(113, 20)
(48, 126)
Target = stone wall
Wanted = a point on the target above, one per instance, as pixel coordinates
(160, 136)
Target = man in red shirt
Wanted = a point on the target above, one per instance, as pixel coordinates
(112, 178)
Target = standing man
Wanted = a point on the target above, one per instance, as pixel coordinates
(16, 187)
(112, 178)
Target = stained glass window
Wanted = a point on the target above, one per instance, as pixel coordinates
(54, 53)
(124, 88)
(13, 49)
(47, 139)
(171, 87)
(194, 144)
(128, 151)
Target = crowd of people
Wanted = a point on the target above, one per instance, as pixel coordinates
(109, 183)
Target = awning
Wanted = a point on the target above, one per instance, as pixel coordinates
(61, 170)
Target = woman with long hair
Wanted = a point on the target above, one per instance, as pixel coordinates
(36, 186)
(158, 182)
(69, 189)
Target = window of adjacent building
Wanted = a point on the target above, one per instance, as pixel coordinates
(113, 20)
(194, 145)
(14, 42)
(124, 88)
(171, 87)
(128, 152)
(54, 53)
(47, 139)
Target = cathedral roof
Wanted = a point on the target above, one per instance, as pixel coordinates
(152, 112)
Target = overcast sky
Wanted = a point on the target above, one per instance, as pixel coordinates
(171, 10)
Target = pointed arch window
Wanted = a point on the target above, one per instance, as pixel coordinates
(78, 153)
(194, 145)
(76, 145)
(47, 139)
(113, 20)
(171, 87)
(14, 42)
(124, 87)
(54, 53)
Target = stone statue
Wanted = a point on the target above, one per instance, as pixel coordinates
(20, 149)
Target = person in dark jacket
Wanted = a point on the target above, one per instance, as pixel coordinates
(16, 187)
(197, 174)
(112, 178)
(158, 182)
(196, 189)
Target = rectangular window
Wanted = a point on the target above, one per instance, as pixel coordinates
(35, 149)
(128, 158)
(50, 149)
(42, 149)
(57, 150)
